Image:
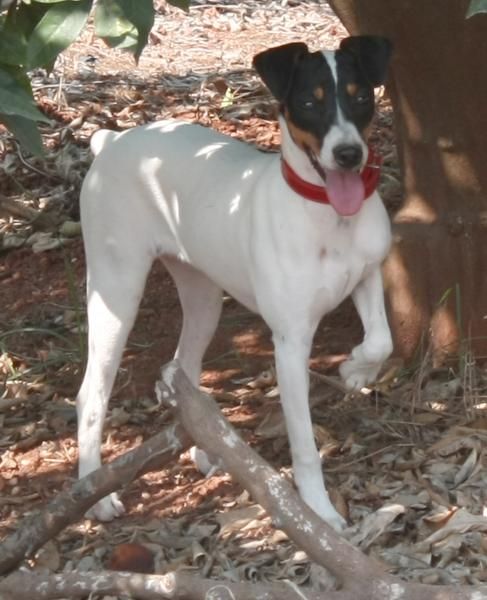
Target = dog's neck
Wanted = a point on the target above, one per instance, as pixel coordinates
(295, 157)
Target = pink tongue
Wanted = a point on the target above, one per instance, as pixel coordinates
(345, 191)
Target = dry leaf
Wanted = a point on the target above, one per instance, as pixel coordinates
(439, 391)
(452, 442)
(272, 425)
(235, 520)
(199, 554)
(264, 380)
(375, 524)
(467, 469)
(461, 522)
(439, 516)
(427, 418)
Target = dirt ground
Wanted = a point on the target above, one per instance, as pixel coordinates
(415, 443)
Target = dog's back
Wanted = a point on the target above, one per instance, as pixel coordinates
(179, 190)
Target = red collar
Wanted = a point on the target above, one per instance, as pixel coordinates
(370, 176)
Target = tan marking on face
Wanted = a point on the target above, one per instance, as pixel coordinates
(319, 93)
(352, 89)
(303, 139)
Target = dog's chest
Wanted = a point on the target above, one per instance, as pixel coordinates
(338, 256)
(339, 267)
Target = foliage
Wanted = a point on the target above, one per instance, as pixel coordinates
(476, 7)
(34, 32)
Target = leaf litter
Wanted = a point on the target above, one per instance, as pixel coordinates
(405, 462)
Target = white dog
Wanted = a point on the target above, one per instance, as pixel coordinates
(289, 237)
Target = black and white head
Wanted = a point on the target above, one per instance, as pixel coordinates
(326, 106)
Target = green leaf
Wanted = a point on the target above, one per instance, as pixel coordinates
(58, 28)
(19, 74)
(476, 7)
(141, 14)
(116, 33)
(22, 18)
(125, 23)
(26, 132)
(16, 100)
(182, 4)
(111, 24)
(12, 47)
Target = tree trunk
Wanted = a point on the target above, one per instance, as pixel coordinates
(436, 275)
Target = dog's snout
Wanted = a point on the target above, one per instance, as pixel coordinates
(348, 156)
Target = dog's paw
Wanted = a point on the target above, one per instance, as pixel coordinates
(308, 478)
(364, 364)
(106, 509)
(357, 374)
(324, 508)
(205, 465)
(336, 521)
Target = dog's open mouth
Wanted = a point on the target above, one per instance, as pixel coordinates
(345, 188)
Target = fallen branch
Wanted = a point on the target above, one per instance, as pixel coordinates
(17, 209)
(69, 506)
(203, 420)
(359, 576)
(8, 403)
(180, 585)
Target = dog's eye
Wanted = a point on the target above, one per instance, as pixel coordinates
(362, 98)
(308, 104)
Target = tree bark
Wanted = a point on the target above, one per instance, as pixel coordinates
(436, 273)
(178, 585)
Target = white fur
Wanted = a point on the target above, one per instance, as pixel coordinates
(220, 216)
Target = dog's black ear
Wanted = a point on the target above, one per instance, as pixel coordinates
(372, 54)
(276, 67)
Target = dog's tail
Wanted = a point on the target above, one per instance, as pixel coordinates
(99, 140)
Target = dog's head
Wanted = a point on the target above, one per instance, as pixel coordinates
(327, 102)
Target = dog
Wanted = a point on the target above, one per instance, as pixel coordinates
(288, 236)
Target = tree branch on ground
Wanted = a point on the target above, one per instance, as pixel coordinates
(200, 416)
(358, 576)
(181, 585)
(69, 506)
(17, 209)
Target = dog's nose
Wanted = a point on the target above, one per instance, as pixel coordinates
(348, 156)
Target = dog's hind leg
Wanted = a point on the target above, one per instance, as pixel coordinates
(201, 303)
(116, 281)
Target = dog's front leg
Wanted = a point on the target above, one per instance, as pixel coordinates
(292, 354)
(366, 359)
